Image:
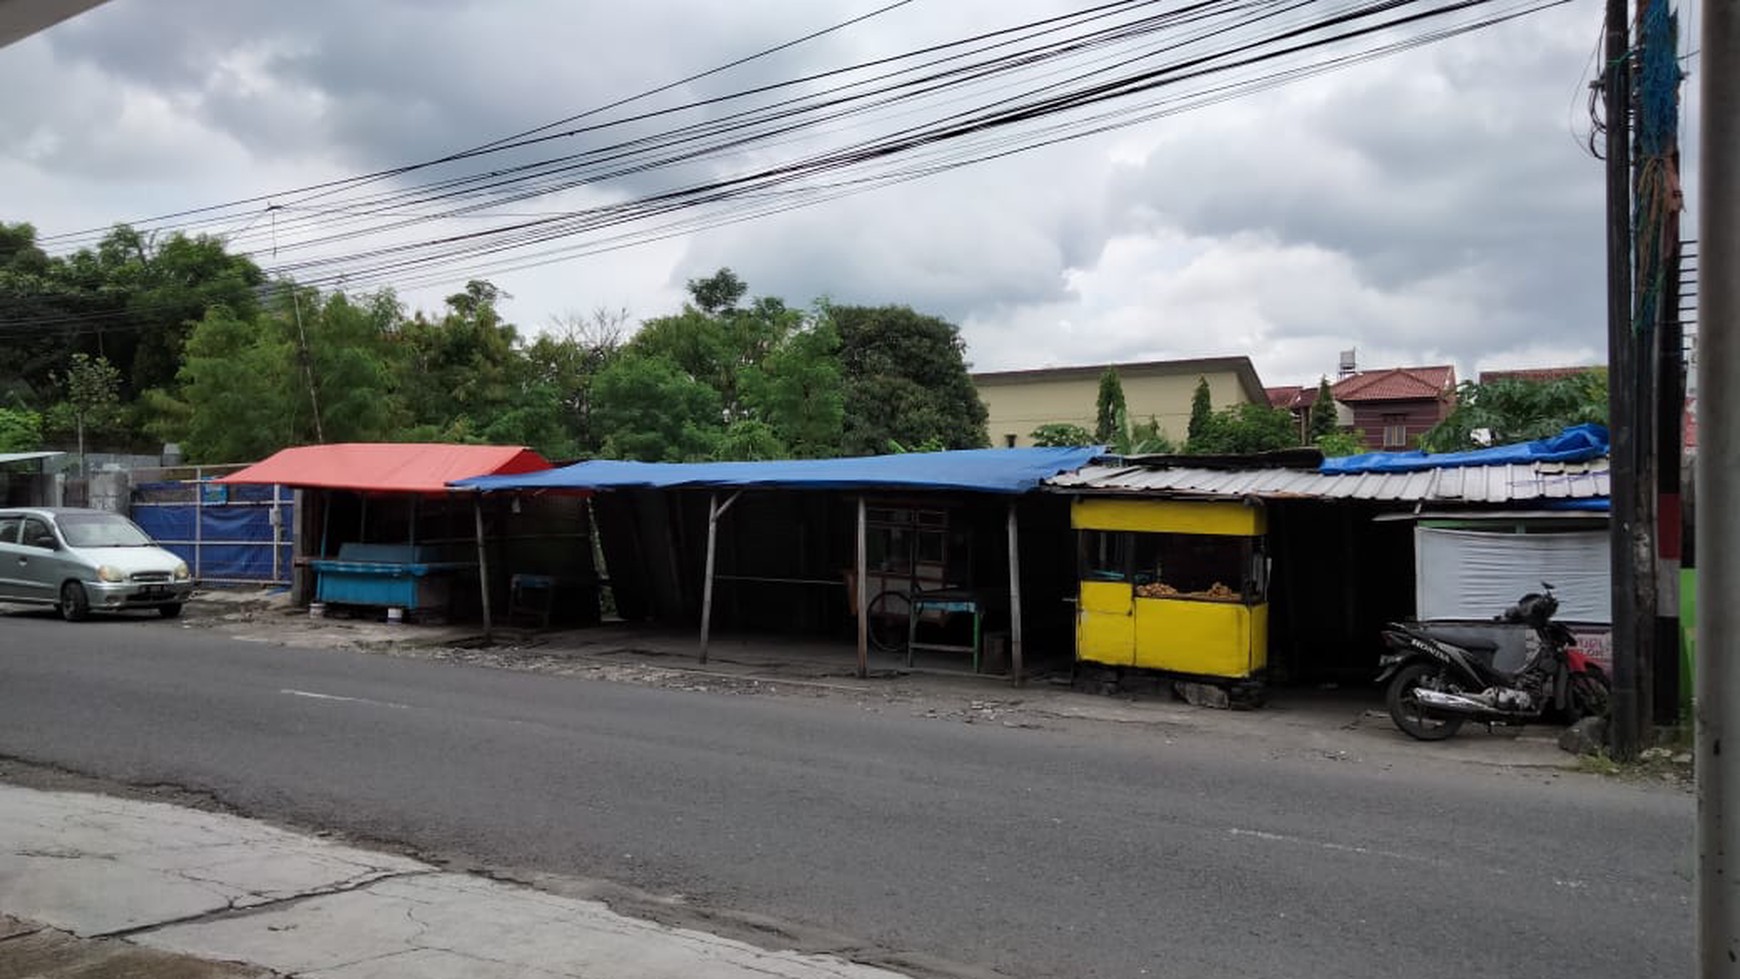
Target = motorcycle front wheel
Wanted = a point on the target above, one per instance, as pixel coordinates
(1405, 707)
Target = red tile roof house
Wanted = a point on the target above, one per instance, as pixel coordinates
(1395, 407)
(1296, 401)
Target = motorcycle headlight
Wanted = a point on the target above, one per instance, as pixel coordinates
(181, 573)
(110, 574)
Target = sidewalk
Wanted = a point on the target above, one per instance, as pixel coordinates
(102, 888)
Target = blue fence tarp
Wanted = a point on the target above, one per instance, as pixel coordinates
(234, 540)
(1008, 471)
(1579, 443)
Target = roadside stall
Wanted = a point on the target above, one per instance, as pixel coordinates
(1178, 586)
(378, 527)
(928, 545)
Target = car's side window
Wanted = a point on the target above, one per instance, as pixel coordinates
(9, 529)
(38, 534)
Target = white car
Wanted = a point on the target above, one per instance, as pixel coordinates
(78, 560)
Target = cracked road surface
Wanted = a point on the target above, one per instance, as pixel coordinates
(1073, 851)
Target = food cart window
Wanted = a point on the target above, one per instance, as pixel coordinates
(889, 549)
(1105, 555)
(1191, 565)
(932, 547)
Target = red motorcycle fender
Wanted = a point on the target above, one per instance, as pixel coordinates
(1576, 661)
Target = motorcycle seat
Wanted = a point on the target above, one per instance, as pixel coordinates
(1503, 648)
(1472, 638)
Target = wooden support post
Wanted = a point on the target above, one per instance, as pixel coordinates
(714, 512)
(1017, 672)
(863, 585)
(483, 568)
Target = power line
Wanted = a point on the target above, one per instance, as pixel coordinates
(1081, 75)
(489, 146)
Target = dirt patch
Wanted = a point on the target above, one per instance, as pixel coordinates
(32, 950)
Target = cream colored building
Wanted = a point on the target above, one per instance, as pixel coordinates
(1021, 401)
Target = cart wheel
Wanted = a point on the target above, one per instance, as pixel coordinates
(889, 619)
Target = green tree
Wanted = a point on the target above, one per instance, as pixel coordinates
(131, 299)
(33, 293)
(748, 439)
(565, 361)
(718, 342)
(93, 393)
(904, 381)
(20, 430)
(1143, 438)
(1512, 410)
(1341, 443)
(653, 411)
(463, 377)
(719, 292)
(1201, 411)
(1109, 420)
(308, 368)
(796, 390)
(1061, 435)
(1321, 421)
(1244, 429)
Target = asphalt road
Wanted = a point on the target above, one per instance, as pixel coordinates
(1110, 851)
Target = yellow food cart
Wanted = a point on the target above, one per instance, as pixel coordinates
(1178, 586)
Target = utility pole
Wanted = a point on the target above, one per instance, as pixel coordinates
(1718, 477)
(307, 365)
(1622, 374)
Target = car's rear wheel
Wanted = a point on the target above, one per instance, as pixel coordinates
(169, 611)
(75, 605)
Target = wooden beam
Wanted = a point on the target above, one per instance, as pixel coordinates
(1017, 671)
(863, 586)
(714, 512)
(483, 568)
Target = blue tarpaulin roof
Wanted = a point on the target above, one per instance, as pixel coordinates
(977, 470)
(1579, 443)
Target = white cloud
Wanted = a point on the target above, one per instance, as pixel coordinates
(1428, 207)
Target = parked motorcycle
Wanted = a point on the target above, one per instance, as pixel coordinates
(1442, 676)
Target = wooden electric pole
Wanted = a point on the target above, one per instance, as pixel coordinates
(1623, 371)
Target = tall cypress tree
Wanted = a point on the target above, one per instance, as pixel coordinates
(1322, 418)
(1201, 410)
(1109, 412)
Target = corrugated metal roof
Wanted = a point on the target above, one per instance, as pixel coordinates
(6, 457)
(1469, 484)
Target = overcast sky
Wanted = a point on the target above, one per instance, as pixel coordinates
(1429, 207)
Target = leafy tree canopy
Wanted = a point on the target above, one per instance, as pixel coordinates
(1511, 410)
(904, 379)
(20, 430)
(1061, 435)
(1243, 429)
(1341, 443)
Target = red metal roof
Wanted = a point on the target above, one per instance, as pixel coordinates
(388, 467)
(1397, 384)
